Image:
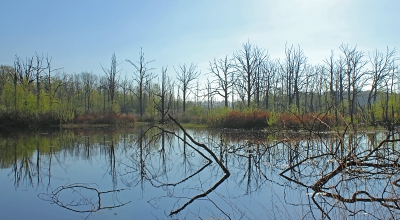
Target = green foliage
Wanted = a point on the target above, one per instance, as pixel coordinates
(219, 112)
(7, 96)
(115, 108)
(194, 114)
(273, 119)
(256, 118)
(3, 109)
(193, 110)
(65, 98)
(64, 112)
(150, 111)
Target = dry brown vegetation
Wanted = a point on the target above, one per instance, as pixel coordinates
(261, 119)
(106, 118)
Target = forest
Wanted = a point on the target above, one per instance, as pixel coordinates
(246, 89)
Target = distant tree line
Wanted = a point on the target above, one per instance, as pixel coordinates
(349, 85)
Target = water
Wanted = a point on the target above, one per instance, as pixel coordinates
(145, 173)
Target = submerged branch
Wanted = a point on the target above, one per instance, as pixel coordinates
(202, 146)
(221, 165)
(368, 165)
(81, 202)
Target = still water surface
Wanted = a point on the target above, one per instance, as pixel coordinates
(142, 173)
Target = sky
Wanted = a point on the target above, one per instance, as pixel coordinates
(82, 35)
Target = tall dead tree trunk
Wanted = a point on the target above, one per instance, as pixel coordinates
(142, 76)
(222, 70)
(381, 67)
(353, 68)
(247, 63)
(185, 76)
(293, 71)
(112, 80)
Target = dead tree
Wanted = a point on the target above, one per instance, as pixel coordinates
(185, 76)
(372, 175)
(222, 70)
(334, 72)
(355, 76)
(125, 84)
(89, 81)
(309, 85)
(293, 73)
(269, 69)
(247, 63)
(142, 76)
(381, 66)
(79, 202)
(209, 94)
(22, 74)
(39, 68)
(165, 95)
(51, 89)
(112, 78)
(103, 89)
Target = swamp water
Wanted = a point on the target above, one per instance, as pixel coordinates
(148, 173)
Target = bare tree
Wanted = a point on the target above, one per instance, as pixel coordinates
(381, 67)
(222, 70)
(89, 81)
(354, 73)
(185, 76)
(269, 69)
(334, 72)
(23, 74)
(209, 94)
(143, 75)
(50, 88)
(309, 87)
(293, 72)
(112, 78)
(68, 87)
(165, 95)
(247, 63)
(103, 87)
(38, 76)
(260, 75)
(125, 86)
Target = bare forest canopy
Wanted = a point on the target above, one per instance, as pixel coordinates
(349, 87)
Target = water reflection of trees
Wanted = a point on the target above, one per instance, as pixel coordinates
(322, 175)
(84, 198)
(32, 157)
(28, 157)
(342, 175)
(169, 159)
(348, 177)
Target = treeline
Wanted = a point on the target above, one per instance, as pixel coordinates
(350, 86)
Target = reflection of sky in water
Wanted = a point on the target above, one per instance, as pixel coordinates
(255, 192)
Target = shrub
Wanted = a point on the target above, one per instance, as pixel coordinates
(235, 119)
(256, 118)
(306, 121)
(126, 119)
(111, 118)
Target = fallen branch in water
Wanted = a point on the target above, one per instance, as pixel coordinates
(356, 165)
(81, 203)
(221, 165)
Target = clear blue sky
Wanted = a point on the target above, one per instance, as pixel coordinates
(82, 34)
